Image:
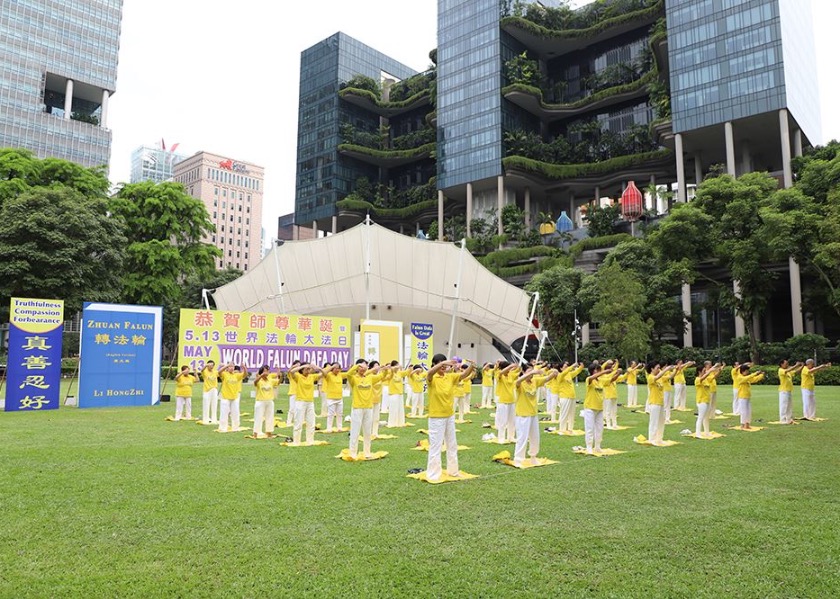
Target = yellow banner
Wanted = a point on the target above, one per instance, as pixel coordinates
(36, 315)
(381, 340)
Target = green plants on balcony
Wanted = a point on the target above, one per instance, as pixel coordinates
(82, 117)
(588, 21)
(602, 220)
(415, 139)
(513, 221)
(364, 83)
(522, 70)
(569, 171)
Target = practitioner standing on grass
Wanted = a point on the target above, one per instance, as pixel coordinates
(361, 380)
(809, 402)
(306, 376)
(593, 405)
(610, 387)
(377, 396)
(505, 414)
(668, 391)
(466, 398)
(735, 373)
(487, 385)
(566, 396)
(527, 421)
(552, 396)
(266, 385)
(745, 381)
(290, 417)
(711, 380)
(332, 383)
(702, 384)
(680, 391)
(210, 393)
(232, 377)
(459, 392)
(396, 407)
(656, 402)
(786, 374)
(322, 393)
(632, 380)
(442, 378)
(183, 393)
(416, 380)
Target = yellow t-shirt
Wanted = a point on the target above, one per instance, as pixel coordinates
(712, 382)
(460, 387)
(468, 387)
(666, 381)
(183, 385)
(594, 399)
(442, 394)
(487, 377)
(745, 384)
(395, 382)
(415, 380)
(785, 380)
(305, 386)
(656, 394)
(332, 384)
(632, 376)
(504, 387)
(611, 387)
(526, 396)
(735, 374)
(566, 387)
(211, 379)
(679, 376)
(231, 384)
(702, 390)
(266, 387)
(807, 380)
(362, 387)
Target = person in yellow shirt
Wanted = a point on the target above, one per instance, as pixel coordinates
(786, 374)
(735, 373)
(745, 381)
(566, 396)
(702, 385)
(183, 393)
(333, 385)
(593, 405)
(210, 393)
(807, 385)
(505, 400)
(459, 391)
(527, 421)
(680, 391)
(711, 381)
(232, 377)
(487, 385)
(610, 387)
(551, 396)
(632, 380)
(306, 376)
(266, 385)
(668, 392)
(441, 379)
(396, 407)
(361, 379)
(378, 390)
(656, 402)
(465, 390)
(290, 417)
(416, 381)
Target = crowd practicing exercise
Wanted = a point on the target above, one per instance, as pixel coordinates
(514, 389)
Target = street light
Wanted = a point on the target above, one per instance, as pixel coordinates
(278, 243)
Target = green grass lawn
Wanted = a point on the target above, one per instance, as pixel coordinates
(118, 502)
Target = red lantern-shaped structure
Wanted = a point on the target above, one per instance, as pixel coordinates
(632, 202)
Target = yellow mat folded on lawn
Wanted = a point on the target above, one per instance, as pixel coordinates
(722, 417)
(495, 441)
(572, 433)
(616, 428)
(752, 429)
(423, 431)
(780, 422)
(503, 457)
(444, 477)
(172, 419)
(345, 456)
(682, 409)
(417, 417)
(673, 422)
(260, 437)
(201, 422)
(463, 421)
(423, 445)
(642, 440)
(382, 437)
(599, 454)
(813, 419)
(333, 432)
(711, 436)
(731, 414)
(232, 430)
(303, 443)
(406, 425)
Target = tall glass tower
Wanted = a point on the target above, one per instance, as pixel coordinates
(58, 68)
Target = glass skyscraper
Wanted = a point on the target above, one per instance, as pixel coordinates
(58, 68)
(153, 164)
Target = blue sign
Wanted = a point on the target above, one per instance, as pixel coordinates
(34, 365)
(120, 355)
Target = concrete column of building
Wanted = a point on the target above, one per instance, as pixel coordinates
(68, 99)
(440, 215)
(334, 224)
(653, 198)
(797, 143)
(746, 157)
(698, 169)
(795, 275)
(402, 229)
(295, 232)
(584, 333)
(500, 191)
(315, 227)
(103, 120)
(417, 228)
(528, 208)
(740, 327)
(571, 213)
(784, 129)
(597, 196)
(730, 148)
(469, 208)
(688, 336)
(678, 140)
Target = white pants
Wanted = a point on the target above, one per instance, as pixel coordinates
(304, 415)
(703, 416)
(290, 417)
(809, 404)
(567, 414)
(712, 404)
(505, 425)
(210, 405)
(551, 405)
(323, 404)
(745, 410)
(335, 414)
(183, 404)
(264, 416)
(487, 396)
(396, 411)
(611, 413)
(374, 426)
(735, 400)
(679, 396)
(417, 402)
(632, 396)
(442, 432)
(656, 425)
(361, 420)
(527, 432)
(668, 398)
(462, 407)
(593, 423)
(228, 408)
(385, 404)
(785, 407)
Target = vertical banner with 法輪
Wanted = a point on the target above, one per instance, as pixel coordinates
(421, 343)
(34, 365)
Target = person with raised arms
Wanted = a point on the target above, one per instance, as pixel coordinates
(680, 391)
(593, 404)
(290, 417)
(487, 385)
(266, 385)
(377, 395)
(505, 399)
(441, 379)
(210, 393)
(332, 383)
(361, 379)
(183, 393)
(306, 376)
(702, 384)
(610, 388)
(527, 421)
(807, 385)
(745, 381)
(232, 377)
(416, 380)
(566, 396)
(735, 373)
(632, 381)
(656, 402)
(786, 374)
(396, 407)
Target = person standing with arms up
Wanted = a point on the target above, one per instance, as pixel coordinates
(442, 378)
(786, 374)
(809, 402)
(210, 393)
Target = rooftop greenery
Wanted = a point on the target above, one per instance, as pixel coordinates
(570, 171)
(588, 21)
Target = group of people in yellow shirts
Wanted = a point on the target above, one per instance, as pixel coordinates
(513, 389)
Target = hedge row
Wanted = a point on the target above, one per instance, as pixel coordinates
(828, 376)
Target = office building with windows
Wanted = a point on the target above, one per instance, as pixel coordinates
(153, 164)
(58, 69)
(232, 192)
(554, 110)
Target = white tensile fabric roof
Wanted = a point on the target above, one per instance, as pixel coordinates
(327, 276)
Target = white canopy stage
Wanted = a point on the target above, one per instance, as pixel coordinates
(370, 272)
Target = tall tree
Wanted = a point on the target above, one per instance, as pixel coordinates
(558, 288)
(618, 311)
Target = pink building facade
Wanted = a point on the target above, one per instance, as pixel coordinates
(232, 192)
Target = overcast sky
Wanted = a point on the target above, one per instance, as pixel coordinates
(223, 76)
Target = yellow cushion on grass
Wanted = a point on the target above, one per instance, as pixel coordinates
(616, 428)
(712, 435)
(495, 441)
(780, 422)
(526, 463)
(572, 433)
(642, 440)
(417, 417)
(333, 432)
(303, 443)
(232, 430)
(345, 456)
(813, 419)
(383, 437)
(444, 477)
(599, 454)
(463, 421)
(673, 422)
(752, 429)
(423, 445)
(406, 425)
(423, 431)
(201, 422)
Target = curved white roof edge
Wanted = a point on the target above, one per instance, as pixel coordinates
(329, 276)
